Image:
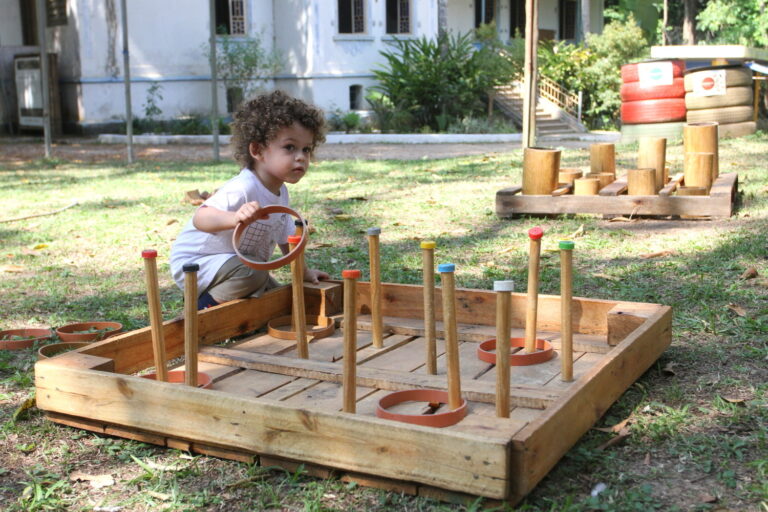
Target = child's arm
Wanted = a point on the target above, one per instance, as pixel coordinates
(213, 220)
(311, 275)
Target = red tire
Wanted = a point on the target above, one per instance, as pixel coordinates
(629, 71)
(632, 91)
(653, 111)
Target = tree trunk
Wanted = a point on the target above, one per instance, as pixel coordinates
(689, 25)
(585, 15)
(664, 21)
(442, 16)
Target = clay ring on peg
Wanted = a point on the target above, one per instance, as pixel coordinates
(430, 396)
(486, 352)
(281, 327)
(279, 262)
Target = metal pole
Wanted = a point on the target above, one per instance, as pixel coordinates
(214, 81)
(127, 83)
(45, 74)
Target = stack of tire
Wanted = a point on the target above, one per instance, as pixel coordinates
(731, 107)
(651, 109)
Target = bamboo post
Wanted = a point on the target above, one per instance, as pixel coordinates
(190, 323)
(586, 186)
(531, 311)
(298, 310)
(503, 291)
(155, 314)
(377, 328)
(703, 138)
(566, 176)
(349, 378)
(428, 265)
(540, 168)
(697, 169)
(604, 179)
(602, 158)
(566, 313)
(641, 182)
(451, 334)
(652, 153)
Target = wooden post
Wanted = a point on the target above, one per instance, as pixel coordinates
(530, 78)
(451, 333)
(349, 378)
(535, 235)
(602, 158)
(697, 169)
(299, 310)
(540, 168)
(503, 290)
(652, 153)
(566, 176)
(586, 186)
(190, 323)
(428, 272)
(377, 328)
(566, 298)
(703, 138)
(641, 182)
(155, 314)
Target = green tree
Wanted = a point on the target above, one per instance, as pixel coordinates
(735, 22)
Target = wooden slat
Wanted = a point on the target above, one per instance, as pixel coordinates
(618, 186)
(346, 441)
(672, 185)
(625, 318)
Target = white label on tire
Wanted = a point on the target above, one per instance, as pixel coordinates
(655, 73)
(709, 83)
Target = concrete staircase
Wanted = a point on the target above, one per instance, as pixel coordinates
(550, 118)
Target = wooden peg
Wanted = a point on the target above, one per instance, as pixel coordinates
(566, 303)
(299, 313)
(377, 327)
(534, 254)
(451, 333)
(190, 323)
(703, 138)
(428, 265)
(349, 378)
(641, 182)
(652, 153)
(602, 158)
(155, 314)
(503, 291)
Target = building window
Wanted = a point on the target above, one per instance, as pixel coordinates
(230, 17)
(568, 15)
(351, 17)
(517, 18)
(485, 11)
(355, 97)
(56, 12)
(398, 17)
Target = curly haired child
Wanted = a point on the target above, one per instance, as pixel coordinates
(274, 137)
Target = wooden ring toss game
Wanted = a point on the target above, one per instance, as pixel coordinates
(276, 263)
(317, 327)
(433, 397)
(486, 351)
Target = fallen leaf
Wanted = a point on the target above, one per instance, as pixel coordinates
(621, 219)
(11, 268)
(707, 498)
(508, 249)
(750, 273)
(318, 245)
(172, 221)
(358, 198)
(335, 211)
(617, 427)
(39, 246)
(647, 459)
(21, 410)
(27, 448)
(159, 495)
(733, 400)
(668, 369)
(342, 217)
(657, 254)
(618, 439)
(579, 232)
(96, 481)
(737, 309)
(606, 276)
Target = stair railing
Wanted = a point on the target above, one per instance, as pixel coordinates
(563, 98)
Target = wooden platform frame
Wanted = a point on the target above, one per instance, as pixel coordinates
(613, 201)
(502, 459)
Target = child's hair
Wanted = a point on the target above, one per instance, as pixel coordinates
(259, 119)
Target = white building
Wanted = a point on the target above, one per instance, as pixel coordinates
(329, 47)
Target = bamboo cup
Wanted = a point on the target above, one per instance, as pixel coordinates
(566, 313)
(566, 176)
(377, 327)
(503, 291)
(652, 153)
(586, 186)
(604, 179)
(428, 265)
(703, 138)
(155, 314)
(299, 309)
(641, 182)
(349, 378)
(532, 306)
(540, 167)
(190, 323)
(697, 169)
(451, 333)
(602, 158)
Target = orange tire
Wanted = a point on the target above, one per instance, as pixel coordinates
(629, 71)
(653, 111)
(632, 91)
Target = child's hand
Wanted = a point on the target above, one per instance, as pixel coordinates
(314, 276)
(249, 213)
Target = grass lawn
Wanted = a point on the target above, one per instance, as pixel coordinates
(698, 419)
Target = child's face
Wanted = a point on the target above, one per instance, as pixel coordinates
(285, 159)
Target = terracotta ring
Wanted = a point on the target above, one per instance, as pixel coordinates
(279, 262)
(439, 420)
(486, 351)
(204, 380)
(323, 327)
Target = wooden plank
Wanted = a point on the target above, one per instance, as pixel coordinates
(135, 434)
(78, 359)
(624, 318)
(223, 453)
(581, 366)
(294, 467)
(545, 440)
(75, 421)
(672, 185)
(384, 484)
(178, 444)
(369, 445)
(618, 186)
(250, 383)
(563, 189)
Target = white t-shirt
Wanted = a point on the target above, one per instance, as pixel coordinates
(212, 250)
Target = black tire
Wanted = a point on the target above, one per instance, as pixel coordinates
(725, 115)
(734, 96)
